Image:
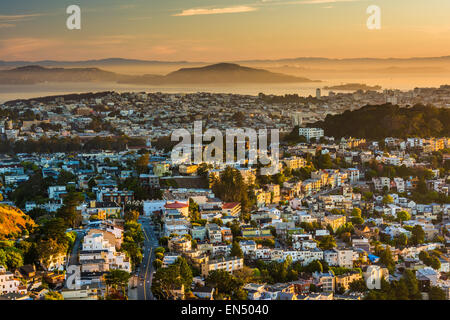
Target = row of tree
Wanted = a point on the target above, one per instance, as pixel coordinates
(381, 121)
(66, 144)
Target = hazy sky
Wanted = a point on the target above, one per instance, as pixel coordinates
(222, 30)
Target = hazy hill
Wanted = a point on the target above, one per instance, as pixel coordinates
(123, 61)
(37, 74)
(352, 87)
(219, 73)
(379, 122)
(12, 220)
(84, 63)
(336, 70)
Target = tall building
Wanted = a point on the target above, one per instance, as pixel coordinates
(309, 133)
(297, 119)
(318, 93)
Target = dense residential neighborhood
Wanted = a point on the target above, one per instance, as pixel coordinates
(93, 206)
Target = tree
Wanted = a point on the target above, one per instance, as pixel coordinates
(437, 293)
(11, 258)
(239, 117)
(133, 240)
(313, 288)
(412, 284)
(324, 161)
(160, 249)
(401, 290)
(92, 183)
(14, 258)
(223, 281)
(327, 242)
(49, 248)
(401, 240)
(358, 286)
(69, 212)
(194, 212)
(117, 280)
(244, 275)
(403, 216)
(294, 138)
(53, 295)
(236, 250)
(185, 272)
(314, 266)
(36, 213)
(217, 221)
(435, 263)
(53, 229)
(387, 199)
(157, 263)
(3, 258)
(131, 215)
(387, 260)
(425, 257)
(356, 212)
(417, 235)
(235, 228)
(346, 236)
(357, 220)
(142, 163)
(231, 187)
(65, 177)
(292, 275)
(240, 294)
(165, 281)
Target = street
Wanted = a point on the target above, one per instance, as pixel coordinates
(73, 256)
(145, 273)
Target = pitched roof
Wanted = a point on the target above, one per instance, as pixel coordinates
(176, 205)
(230, 205)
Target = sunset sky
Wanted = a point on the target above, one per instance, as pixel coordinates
(222, 30)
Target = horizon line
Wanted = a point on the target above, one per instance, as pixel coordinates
(231, 61)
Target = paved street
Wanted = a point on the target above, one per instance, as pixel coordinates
(76, 247)
(146, 268)
(73, 257)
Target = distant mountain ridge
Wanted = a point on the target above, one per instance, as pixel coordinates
(99, 62)
(37, 74)
(124, 61)
(217, 73)
(353, 87)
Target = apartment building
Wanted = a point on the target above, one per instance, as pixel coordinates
(179, 244)
(229, 264)
(8, 283)
(343, 281)
(335, 221)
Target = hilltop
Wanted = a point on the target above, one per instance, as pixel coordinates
(229, 72)
(36, 74)
(218, 73)
(379, 122)
(13, 220)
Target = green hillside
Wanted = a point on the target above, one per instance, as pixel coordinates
(378, 122)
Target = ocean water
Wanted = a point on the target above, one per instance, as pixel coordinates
(12, 92)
